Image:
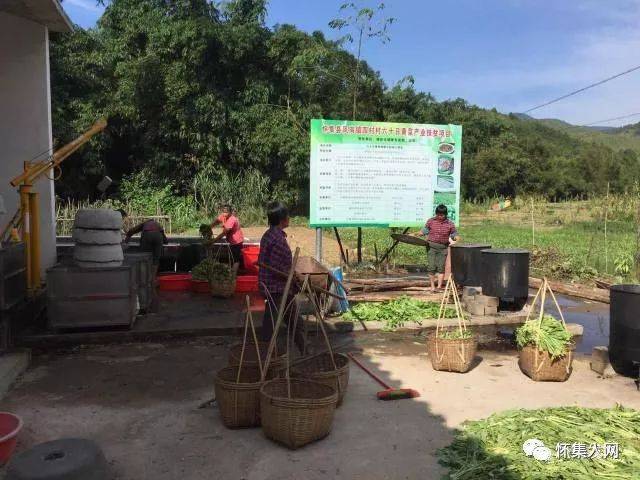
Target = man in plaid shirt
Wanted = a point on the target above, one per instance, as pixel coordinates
(275, 252)
(441, 232)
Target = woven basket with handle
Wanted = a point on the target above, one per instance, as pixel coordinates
(537, 364)
(296, 412)
(238, 386)
(239, 402)
(321, 369)
(541, 367)
(451, 354)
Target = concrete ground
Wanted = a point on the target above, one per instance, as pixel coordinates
(141, 402)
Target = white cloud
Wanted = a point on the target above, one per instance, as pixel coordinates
(89, 5)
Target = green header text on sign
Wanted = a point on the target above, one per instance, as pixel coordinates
(383, 174)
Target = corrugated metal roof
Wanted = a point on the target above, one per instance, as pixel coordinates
(45, 12)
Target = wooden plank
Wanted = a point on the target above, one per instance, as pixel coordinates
(579, 291)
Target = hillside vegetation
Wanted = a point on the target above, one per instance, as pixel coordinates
(617, 138)
(198, 94)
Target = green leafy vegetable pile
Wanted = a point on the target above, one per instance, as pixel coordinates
(455, 334)
(493, 448)
(553, 337)
(395, 313)
(212, 271)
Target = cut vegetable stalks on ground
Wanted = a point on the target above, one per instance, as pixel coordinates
(545, 342)
(452, 350)
(396, 313)
(493, 448)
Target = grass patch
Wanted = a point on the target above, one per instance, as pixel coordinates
(564, 249)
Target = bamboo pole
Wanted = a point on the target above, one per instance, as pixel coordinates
(533, 225)
(283, 303)
(606, 245)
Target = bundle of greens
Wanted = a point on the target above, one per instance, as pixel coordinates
(455, 334)
(205, 232)
(549, 336)
(493, 447)
(212, 271)
(395, 313)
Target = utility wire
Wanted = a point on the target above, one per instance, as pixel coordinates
(583, 89)
(610, 119)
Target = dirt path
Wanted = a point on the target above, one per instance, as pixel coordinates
(305, 238)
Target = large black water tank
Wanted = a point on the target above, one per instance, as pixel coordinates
(505, 273)
(466, 263)
(624, 328)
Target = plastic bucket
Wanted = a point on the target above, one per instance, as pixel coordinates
(246, 283)
(250, 258)
(175, 282)
(10, 426)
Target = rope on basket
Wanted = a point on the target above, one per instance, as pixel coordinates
(450, 289)
(541, 294)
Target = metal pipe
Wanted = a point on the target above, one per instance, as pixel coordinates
(34, 220)
(59, 155)
(319, 244)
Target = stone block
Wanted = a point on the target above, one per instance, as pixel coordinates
(475, 308)
(487, 301)
(575, 329)
(490, 310)
(600, 354)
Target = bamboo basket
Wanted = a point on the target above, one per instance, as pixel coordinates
(537, 364)
(239, 402)
(452, 355)
(227, 288)
(296, 412)
(276, 365)
(238, 386)
(321, 369)
(543, 368)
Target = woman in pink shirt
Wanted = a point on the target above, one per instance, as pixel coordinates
(232, 231)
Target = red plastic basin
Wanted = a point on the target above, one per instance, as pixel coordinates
(246, 283)
(10, 425)
(200, 286)
(250, 258)
(175, 282)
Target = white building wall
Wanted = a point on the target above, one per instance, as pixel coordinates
(25, 118)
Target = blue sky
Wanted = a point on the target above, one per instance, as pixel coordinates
(507, 54)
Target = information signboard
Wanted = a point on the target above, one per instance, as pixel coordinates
(383, 174)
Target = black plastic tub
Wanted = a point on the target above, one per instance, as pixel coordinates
(624, 329)
(466, 263)
(505, 274)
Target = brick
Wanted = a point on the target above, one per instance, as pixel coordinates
(490, 310)
(487, 301)
(475, 308)
(471, 291)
